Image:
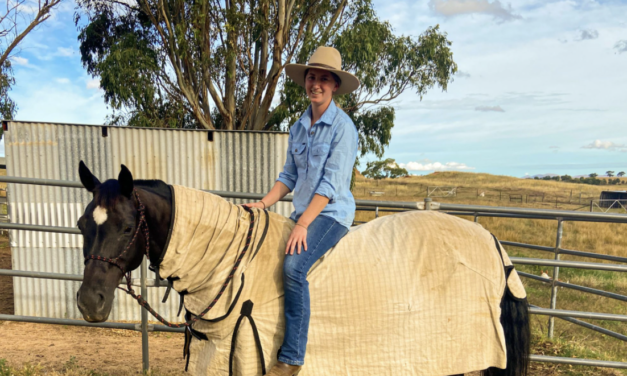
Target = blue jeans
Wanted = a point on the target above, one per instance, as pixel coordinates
(322, 234)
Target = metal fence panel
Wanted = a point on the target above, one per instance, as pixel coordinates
(236, 161)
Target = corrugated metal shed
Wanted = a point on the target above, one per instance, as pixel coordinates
(217, 160)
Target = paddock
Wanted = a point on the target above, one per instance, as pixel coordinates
(31, 217)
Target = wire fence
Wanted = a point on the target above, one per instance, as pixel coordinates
(476, 211)
(560, 199)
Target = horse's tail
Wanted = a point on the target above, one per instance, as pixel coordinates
(515, 321)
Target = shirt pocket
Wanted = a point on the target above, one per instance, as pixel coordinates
(319, 155)
(320, 150)
(298, 152)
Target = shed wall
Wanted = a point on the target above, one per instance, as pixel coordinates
(233, 161)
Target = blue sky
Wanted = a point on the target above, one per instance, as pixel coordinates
(542, 86)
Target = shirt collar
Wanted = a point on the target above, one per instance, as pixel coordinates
(326, 119)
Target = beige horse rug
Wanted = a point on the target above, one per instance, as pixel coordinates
(415, 293)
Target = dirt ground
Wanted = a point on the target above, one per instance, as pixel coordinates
(55, 347)
(6, 283)
(105, 351)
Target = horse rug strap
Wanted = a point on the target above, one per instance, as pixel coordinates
(515, 287)
(247, 310)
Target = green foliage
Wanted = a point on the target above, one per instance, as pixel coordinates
(8, 108)
(216, 65)
(387, 168)
(4, 368)
(121, 51)
(592, 179)
(609, 174)
(71, 365)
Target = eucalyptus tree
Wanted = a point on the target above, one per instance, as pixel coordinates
(387, 168)
(218, 64)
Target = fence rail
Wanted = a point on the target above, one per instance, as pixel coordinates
(388, 206)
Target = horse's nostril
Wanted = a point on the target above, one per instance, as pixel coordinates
(101, 299)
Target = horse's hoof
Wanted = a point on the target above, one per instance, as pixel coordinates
(282, 369)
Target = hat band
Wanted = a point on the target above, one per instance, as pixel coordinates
(322, 66)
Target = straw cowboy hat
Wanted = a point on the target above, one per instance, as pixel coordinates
(328, 59)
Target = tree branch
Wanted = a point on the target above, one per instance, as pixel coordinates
(42, 15)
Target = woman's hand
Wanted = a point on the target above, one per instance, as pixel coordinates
(297, 240)
(259, 205)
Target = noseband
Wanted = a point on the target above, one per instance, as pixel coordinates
(143, 225)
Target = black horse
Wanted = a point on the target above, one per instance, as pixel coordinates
(127, 219)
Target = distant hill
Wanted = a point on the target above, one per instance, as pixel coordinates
(540, 176)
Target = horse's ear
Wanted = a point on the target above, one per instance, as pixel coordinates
(90, 182)
(125, 178)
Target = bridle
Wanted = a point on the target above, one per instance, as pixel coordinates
(143, 225)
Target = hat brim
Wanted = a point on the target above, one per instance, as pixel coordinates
(349, 82)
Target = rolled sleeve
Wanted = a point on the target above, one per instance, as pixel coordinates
(339, 162)
(289, 174)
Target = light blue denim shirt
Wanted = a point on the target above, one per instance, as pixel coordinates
(320, 160)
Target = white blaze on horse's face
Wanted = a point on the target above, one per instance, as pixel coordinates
(100, 215)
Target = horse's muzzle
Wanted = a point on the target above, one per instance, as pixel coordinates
(93, 305)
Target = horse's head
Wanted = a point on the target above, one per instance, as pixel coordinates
(108, 225)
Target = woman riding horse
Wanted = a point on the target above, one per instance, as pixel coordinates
(318, 168)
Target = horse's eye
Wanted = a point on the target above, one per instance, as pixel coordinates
(128, 230)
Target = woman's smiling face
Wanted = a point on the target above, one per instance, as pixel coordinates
(320, 86)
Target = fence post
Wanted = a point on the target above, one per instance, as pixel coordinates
(144, 325)
(376, 212)
(556, 272)
(476, 217)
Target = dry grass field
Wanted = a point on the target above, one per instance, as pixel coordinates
(570, 340)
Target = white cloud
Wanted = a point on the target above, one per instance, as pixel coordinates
(603, 145)
(65, 51)
(489, 109)
(588, 34)
(63, 81)
(427, 165)
(19, 60)
(451, 8)
(93, 84)
(621, 46)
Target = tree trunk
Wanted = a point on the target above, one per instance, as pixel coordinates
(231, 59)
